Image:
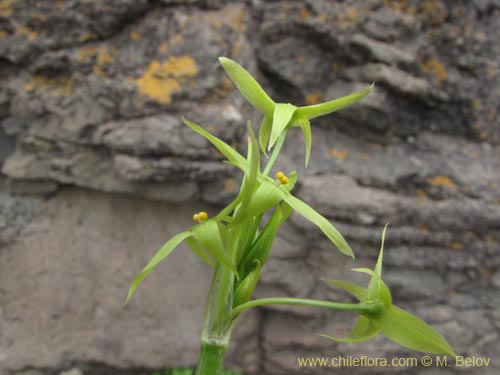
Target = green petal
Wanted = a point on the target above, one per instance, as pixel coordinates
(199, 252)
(247, 85)
(230, 153)
(157, 258)
(282, 115)
(364, 329)
(208, 235)
(265, 132)
(378, 266)
(316, 110)
(313, 216)
(377, 288)
(357, 291)
(412, 332)
(305, 125)
(253, 167)
(265, 197)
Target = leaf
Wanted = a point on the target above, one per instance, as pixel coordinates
(282, 115)
(247, 85)
(412, 332)
(208, 235)
(362, 331)
(317, 110)
(305, 125)
(357, 291)
(265, 132)
(230, 153)
(327, 228)
(199, 252)
(161, 254)
(265, 197)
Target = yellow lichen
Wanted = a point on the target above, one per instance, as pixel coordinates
(3, 34)
(421, 195)
(87, 53)
(104, 58)
(351, 14)
(26, 32)
(29, 86)
(60, 4)
(85, 37)
(442, 181)
(436, 68)
(339, 154)
(134, 35)
(455, 245)
(163, 47)
(161, 80)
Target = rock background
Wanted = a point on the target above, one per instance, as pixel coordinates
(98, 171)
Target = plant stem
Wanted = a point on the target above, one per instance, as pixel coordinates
(357, 307)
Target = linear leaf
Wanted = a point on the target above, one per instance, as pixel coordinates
(161, 254)
(247, 85)
(265, 132)
(316, 110)
(305, 125)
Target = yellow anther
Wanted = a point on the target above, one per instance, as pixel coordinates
(280, 175)
(284, 180)
(202, 216)
(196, 217)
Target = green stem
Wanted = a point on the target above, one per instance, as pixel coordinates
(357, 307)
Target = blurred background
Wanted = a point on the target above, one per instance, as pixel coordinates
(98, 171)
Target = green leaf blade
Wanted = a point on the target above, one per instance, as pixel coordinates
(161, 254)
(247, 85)
(364, 329)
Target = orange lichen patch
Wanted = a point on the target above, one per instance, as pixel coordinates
(455, 245)
(305, 14)
(5, 7)
(104, 58)
(29, 86)
(436, 68)
(98, 71)
(161, 80)
(442, 181)
(313, 98)
(338, 154)
(351, 14)
(87, 53)
(177, 39)
(231, 185)
(26, 32)
(86, 37)
(163, 47)
(60, 86)
(421, 195)
(134, 35)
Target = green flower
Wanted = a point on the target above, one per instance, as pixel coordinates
(280, 116)
(384, 318)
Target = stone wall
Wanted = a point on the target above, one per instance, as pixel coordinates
(98, 171)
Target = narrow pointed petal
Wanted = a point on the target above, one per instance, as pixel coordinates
(252, 167)
(265, 132)
(282, 115)
(363, 330)
(305, 125)
(411, 332)
(377, 288)
(327, 228)
(157, 258)
(357, 291)
(247, 85)
(230, 153)
(245, 288)
(378, 266)
(317, 110)
(199, 252)
(208, 235)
